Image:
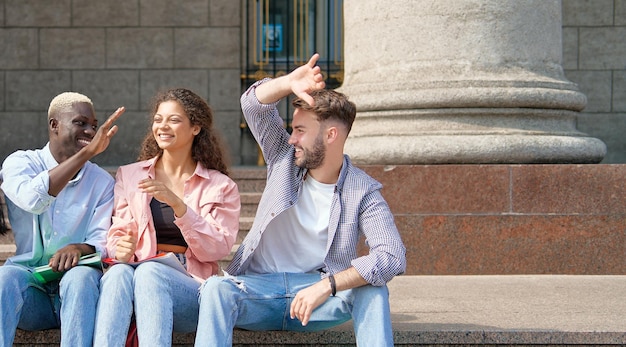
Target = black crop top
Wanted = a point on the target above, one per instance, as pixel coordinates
(166, 231)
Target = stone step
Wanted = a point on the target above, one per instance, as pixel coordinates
(500, 310)
(249, 178)
(249, 203)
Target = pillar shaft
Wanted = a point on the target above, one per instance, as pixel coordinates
(464, 81)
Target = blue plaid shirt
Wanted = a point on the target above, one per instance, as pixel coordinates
(358, 207)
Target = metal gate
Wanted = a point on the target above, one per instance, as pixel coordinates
(281, 35)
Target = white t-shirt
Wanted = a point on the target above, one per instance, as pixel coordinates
(295, 241)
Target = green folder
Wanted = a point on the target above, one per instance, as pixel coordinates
(44, 273)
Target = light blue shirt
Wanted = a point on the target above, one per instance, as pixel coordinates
(357, 207)
(43, 224)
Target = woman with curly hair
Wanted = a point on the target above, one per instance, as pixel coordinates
(178, 198)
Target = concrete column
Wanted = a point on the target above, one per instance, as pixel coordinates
(463, 81)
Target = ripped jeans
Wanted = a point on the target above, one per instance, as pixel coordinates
(262, 302)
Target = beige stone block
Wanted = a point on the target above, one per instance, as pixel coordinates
(109, 89)
(33, 90)
(620, 12)
(72, 48)
(608, 127)
(153, 81)
(126, 144)
(207, 48)
(602, 48)
(19, 48)
(38, 13)
(110, 13)
(139, 48)
(587, 12)
(174, 13)
(225, 89)
(29, 131)
(570, 48)
(1, 90)
(227, 125)
(225, 13)
(619, 91)
(596, 85)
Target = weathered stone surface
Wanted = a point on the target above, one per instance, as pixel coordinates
(73, 48)
(587, 13)
(153, 81)
(528, 310)
(508, 219)
(470, 82)
(209, 48)
(167, 13)
(603, 48)
(108, 89)
(19, 48)
(140, 48)
(225, 13)
(110, 13)
(32, 90)
(35, 13)
(596, 85)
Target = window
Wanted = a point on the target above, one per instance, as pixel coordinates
(283, 34)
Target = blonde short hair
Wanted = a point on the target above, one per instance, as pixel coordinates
(65, 100)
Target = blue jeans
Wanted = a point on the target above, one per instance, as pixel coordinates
(69, 303)
(163, 300)
(262, 302)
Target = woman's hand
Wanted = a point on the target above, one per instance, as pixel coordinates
(162, 193)
(126, 246)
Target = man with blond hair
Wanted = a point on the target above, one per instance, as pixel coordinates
(59, 206)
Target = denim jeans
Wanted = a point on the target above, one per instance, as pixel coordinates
(262, 302)
(162, 298)
(69, 303)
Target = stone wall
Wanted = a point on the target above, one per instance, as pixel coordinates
(594, 57)
(119, 52)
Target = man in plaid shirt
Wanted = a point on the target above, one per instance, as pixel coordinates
(298, 268)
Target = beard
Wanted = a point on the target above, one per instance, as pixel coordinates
(312, 159)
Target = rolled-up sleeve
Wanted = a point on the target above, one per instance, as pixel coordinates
(387, 253)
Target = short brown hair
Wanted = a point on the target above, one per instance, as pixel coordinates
(329, 104)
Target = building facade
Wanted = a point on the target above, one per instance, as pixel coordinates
(120, 52)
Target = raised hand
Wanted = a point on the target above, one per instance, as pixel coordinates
(103, 136)
(306, 79)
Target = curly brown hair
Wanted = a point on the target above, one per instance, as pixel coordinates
(207, 148)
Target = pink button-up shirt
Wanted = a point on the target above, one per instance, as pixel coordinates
(209, 226)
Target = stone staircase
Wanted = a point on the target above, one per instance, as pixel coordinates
(503, 255)
(251, 182)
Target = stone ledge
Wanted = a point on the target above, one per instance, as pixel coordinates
(539, 310)
(452, 337)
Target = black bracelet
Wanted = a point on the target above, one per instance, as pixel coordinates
(333, 285)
